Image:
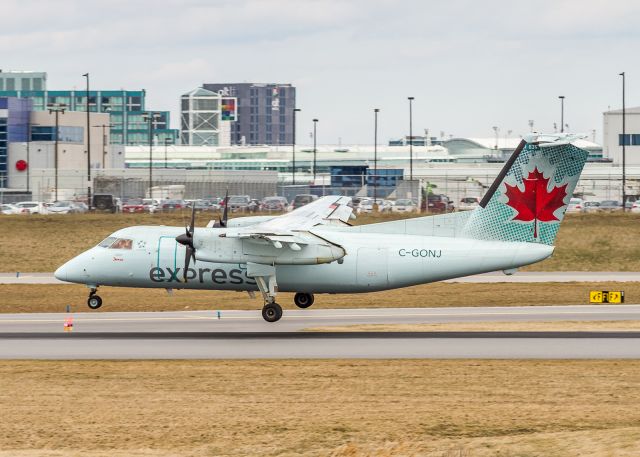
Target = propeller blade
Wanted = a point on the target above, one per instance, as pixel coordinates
(225, 213)
(186, 240)
(193, 219)
(187, 259)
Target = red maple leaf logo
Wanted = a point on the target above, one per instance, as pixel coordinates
(535, 203)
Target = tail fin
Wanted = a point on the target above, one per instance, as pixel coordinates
(528, 199)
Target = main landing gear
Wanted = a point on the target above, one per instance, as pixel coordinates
(94, 301)
(303, 300)
(265, 276)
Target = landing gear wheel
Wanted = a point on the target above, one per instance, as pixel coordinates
(272, 312)
(94, 302)
(303, 300)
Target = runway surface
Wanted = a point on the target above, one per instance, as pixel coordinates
(244, 335)
(523, 277)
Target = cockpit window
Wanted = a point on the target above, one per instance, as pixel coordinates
(116, 243)
(122, 243)
(107, 242)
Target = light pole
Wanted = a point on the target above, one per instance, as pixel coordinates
(104, 140)
(29, 131)
(56, 108)
(315, 149)
(167, 142)
(375, 157)
(86, 75)
(410, 137)
(151, 118)
(624, 143)
(561, 97)
(295, 110)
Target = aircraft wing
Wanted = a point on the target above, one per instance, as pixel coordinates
(282, 229)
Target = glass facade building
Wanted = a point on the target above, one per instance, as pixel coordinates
(14, 128)
(126, 109)
(66, 134)
(265, 112)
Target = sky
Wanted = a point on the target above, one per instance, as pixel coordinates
(471, 65)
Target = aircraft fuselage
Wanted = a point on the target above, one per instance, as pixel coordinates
(372, 262)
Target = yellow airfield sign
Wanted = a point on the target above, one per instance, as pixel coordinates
(606, 296)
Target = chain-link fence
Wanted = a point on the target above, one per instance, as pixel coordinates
(196, 184)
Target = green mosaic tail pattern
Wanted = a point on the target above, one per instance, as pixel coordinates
(529, 197)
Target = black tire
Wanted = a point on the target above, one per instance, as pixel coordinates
(94, 302)
(303, 300)
(271, 312)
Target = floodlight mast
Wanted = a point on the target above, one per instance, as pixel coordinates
(152, 118)
(56, 108)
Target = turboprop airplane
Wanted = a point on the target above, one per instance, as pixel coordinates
(313, 249)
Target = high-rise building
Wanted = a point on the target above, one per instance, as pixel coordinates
(23, 80)
(265, 112)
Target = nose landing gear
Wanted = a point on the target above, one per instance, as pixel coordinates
(271, 312)
(94, 301)
(265, 276)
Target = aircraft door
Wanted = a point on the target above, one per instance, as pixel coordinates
(372, 267)
(167, 253)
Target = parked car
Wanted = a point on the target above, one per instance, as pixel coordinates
(170, 205)
(635, 207)
(591, 207)
(468, 203)
(239, 203)
(7, 209)
(62, 207)
(274, 204)
(133, 205)
(576, 205)
(215, 204)
(302, 199)
(366, 205)
(610, 205)
(32, 207)
(201, 205)
(630, 200)
(404, 205)
(106, 202)
(438, 203)
(151, 205)
(254, 205)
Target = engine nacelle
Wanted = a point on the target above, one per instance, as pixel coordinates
(242, 250)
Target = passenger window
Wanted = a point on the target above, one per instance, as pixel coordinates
(122, 243)
(107, 242)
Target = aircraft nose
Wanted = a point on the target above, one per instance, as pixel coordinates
(62, 272)
(73, 271)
